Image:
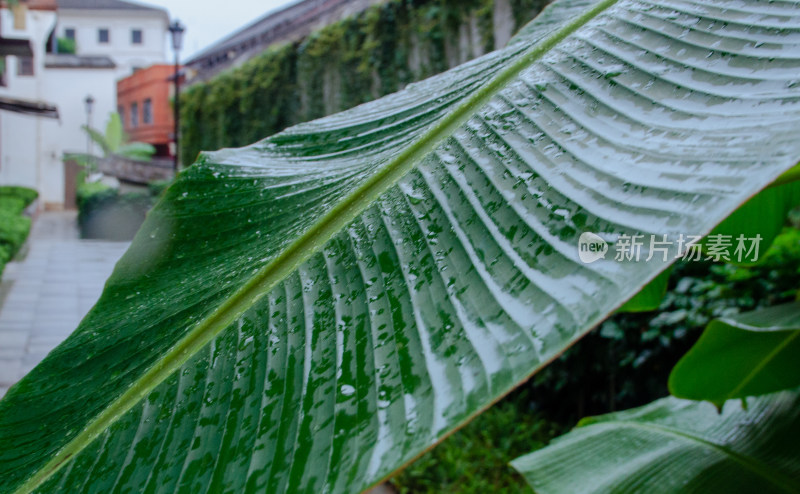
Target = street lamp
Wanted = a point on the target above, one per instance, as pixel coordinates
(176, 29)
(89, 102)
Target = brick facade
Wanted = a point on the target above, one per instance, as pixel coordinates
(154, 84)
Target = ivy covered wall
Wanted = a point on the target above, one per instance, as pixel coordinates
(342, 65)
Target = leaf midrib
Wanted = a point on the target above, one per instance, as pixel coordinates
(772, 476)
(761, 365)
(299, 251)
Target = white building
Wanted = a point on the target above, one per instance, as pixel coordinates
(112, 38)
(19, 134)
(133, 35)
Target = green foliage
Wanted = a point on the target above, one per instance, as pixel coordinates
(258, 99)
(141, 151)
(157, 187)
(763, 216)
(749, 354)
(784, 254)
(14, 228)
(475, 460)
(88, 192)
(676, 446)
(115, 142)
(649, 298)
(624, 363)
(98, 138)
(738, 356)
(105, 213)
(115, 133)
(627, 360)
(341, 65)
(66, 45)
(24, 193)
(5, 256)
(524, 10)
(91, 197)
(12, 204)
(791, 175)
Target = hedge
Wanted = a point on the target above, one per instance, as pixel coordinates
(14, 228)
(105, 213)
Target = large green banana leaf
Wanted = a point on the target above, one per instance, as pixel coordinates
(310, 313)
(676, 446)
(763, 215)
(743, 355)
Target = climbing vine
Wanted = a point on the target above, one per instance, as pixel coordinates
(341, 65)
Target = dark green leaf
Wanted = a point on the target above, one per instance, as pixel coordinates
(115, 134)
(791, 175)
(98, 138)
(650, 297)
(745, 355)
(761, 218)
(136, 150)
(676, 446)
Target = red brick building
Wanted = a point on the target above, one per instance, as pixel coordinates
(144, 101)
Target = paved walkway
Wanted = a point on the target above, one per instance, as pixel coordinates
(49, 291)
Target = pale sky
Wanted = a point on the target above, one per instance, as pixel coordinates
(208, 21)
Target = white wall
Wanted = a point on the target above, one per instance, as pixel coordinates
(20, 135)
(120, 48)
(67, 89)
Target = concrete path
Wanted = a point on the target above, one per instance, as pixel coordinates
(44, 296)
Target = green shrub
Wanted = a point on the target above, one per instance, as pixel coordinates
(12, 204)
(93, 191)
(14, 230)
(24, 193)
(5, 253)
(157, 187)
(66, 45)
(90, 198)
(105, 213)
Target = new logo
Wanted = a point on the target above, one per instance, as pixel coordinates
(591, 247)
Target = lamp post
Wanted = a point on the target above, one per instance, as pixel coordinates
(89, 102)
(176, 29)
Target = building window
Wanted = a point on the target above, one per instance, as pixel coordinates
(102, 35)
(24, 66)
(134, 114)
(147, 111)
(136, 36)
(121, 111)
(69, 33)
